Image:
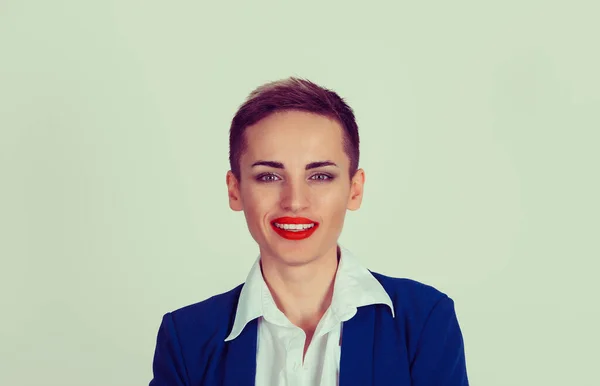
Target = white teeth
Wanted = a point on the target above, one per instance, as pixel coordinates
(294, 227)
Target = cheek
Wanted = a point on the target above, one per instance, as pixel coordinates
(254, 211)
(258, 202)
(332, 204)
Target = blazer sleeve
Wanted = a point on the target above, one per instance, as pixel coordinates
(168, 367)
(439, 359)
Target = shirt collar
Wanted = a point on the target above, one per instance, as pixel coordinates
(354, 287)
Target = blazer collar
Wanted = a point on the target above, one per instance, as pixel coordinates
(240, 357)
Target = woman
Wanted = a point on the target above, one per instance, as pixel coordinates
(309, 313)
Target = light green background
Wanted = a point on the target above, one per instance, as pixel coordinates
(479, 125)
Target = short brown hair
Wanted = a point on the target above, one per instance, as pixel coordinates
(292, 94)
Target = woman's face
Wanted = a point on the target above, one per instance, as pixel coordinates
(295, 170)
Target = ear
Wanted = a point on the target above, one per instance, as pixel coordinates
(356, 190)
(233, 190)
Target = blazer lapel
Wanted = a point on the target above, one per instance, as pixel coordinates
(240, 361)
(356, 362)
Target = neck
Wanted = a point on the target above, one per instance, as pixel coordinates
(303, 293)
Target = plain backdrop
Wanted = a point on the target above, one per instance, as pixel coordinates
(479, 127)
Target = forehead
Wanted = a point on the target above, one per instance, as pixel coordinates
(295, 136)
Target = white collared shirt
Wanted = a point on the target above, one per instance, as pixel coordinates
(280, 345)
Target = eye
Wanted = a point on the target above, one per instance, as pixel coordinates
(321, 177)
(267, 177)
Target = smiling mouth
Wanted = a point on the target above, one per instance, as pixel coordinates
(292, 228)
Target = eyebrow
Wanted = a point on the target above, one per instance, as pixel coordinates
(279, 165)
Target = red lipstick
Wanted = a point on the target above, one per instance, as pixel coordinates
(294, 231)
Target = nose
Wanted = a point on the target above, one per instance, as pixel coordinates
(294, 196)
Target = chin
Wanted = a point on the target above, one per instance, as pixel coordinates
(297, 254)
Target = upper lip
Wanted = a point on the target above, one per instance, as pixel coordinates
(294, 220)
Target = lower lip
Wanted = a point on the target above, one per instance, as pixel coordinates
(298, 235)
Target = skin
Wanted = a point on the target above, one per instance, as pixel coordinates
(299, 273)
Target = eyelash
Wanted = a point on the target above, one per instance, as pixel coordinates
(261, 176)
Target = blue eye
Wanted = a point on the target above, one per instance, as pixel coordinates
(270, 177)
(322, 177)
(266, 177)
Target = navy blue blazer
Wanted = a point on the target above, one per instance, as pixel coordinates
(421, 346)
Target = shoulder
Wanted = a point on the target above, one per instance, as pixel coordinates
(428, 328)
(210, 315)
(413, 301)
(190, 336)
(420, 309)
(407, 291)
